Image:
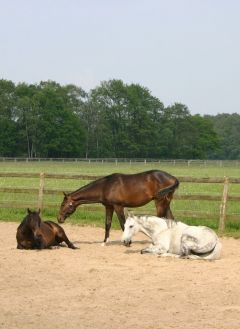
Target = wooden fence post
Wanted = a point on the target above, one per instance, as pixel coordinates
(223, 206)
(40, 193)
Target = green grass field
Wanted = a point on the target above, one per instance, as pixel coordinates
(85, 216)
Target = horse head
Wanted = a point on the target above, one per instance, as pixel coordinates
(33, 222)
(67, 208)
(131, 227)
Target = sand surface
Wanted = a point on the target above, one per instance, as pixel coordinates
(114, 286)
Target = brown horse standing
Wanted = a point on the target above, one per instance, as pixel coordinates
(117, 191)
(32, 233)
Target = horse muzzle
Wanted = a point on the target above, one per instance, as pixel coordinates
(127, 243)
(60, 219)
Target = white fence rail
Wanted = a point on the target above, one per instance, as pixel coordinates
(173, 162)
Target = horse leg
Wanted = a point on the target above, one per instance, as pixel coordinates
(153, 249)
(108, 222)
(168, 254)
(25, 244)
(39, 243)
(19, 246)
(190, 244)
(163, 208)
(62, 237)
(158, 250)
(120, 214)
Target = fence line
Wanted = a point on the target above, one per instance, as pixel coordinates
(186, 179)
(173, 162)
(222, 216)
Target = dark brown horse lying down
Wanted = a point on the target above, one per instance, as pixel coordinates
(118, 191)
(33, 233)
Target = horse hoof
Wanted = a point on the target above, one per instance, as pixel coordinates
(105, 242)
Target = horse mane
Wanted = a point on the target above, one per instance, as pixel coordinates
(147, 219)
(171, 222)
(24, 220)
(89, 185)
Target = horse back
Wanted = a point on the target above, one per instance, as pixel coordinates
(151, 178)
(139, 188)
(56, 229)
(50, 229)
(51, 225)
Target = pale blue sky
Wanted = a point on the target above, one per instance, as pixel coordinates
(182, 50)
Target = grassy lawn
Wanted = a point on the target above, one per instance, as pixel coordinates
(86, 216)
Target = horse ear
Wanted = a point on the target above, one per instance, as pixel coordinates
(132, 214)
(129, 214)
(64, 193)
(126, 213)
(39, 210)
(29, 211)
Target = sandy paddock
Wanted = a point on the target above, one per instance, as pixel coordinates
(114, 286)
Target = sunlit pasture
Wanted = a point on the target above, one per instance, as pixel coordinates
(94, 214)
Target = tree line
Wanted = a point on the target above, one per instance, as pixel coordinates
(112, 120)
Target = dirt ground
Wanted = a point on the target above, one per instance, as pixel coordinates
(114, 286)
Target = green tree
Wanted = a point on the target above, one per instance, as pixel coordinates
(144, 121)
(177, 131)
(8, 127)
(127, 120)
(48, 121)
(27, 114)
(113, 120)
(227, 127)
(107, 102)
(60, 131)
(205, 139)
(185, 136)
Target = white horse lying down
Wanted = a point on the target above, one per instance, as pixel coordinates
(173, 238)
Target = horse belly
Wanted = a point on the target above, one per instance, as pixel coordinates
(175, 241)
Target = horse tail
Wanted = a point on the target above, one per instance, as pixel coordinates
(213, 254)
(216, 252)
(168, 189)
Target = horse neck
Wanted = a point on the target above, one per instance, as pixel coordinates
(25, 225)
(171, 222)
(152, 225)
(87, 194)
